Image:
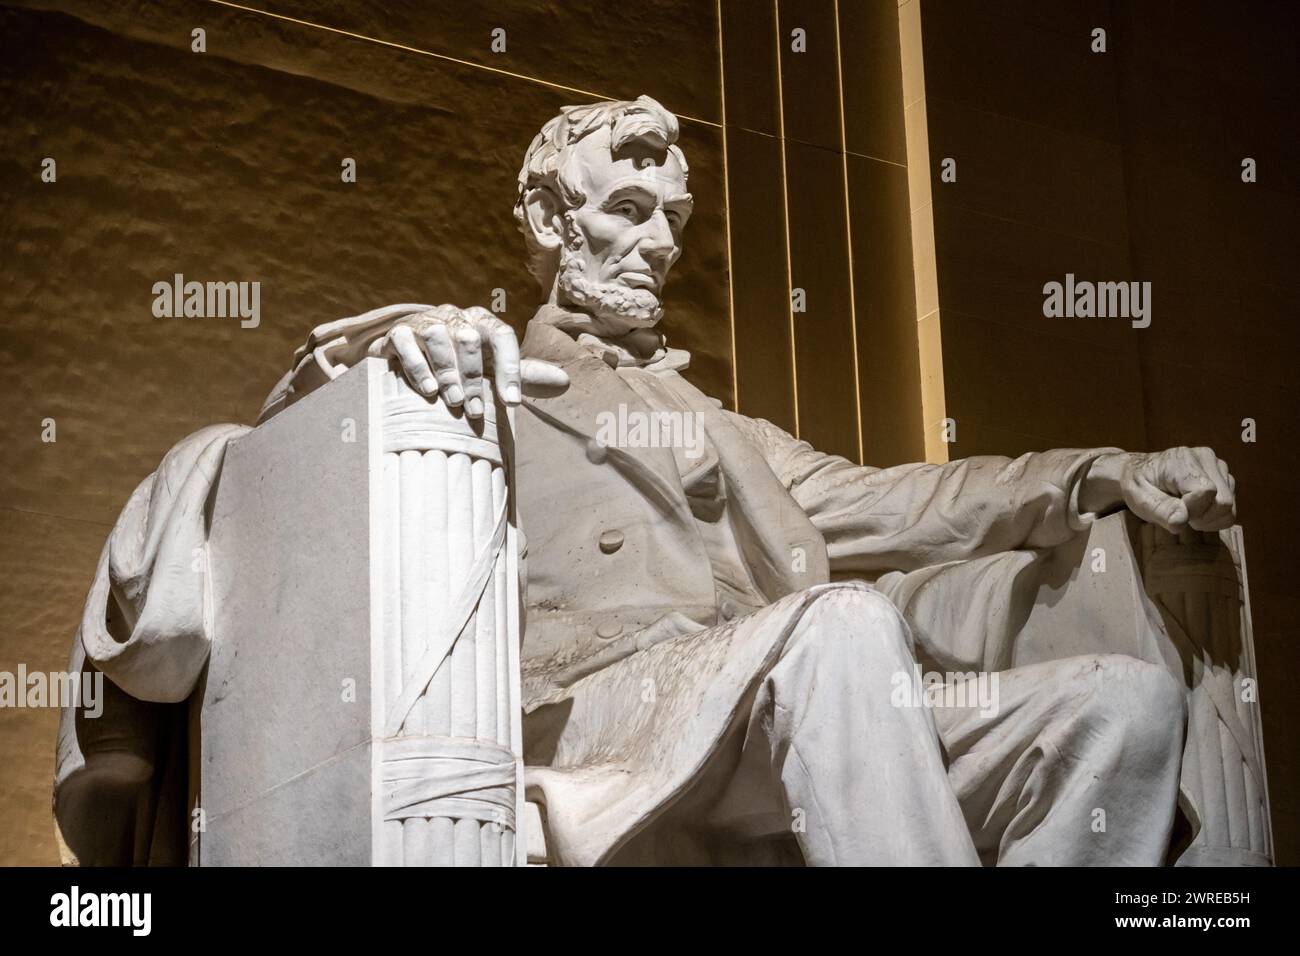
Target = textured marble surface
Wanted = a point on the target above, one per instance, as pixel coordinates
(226, 166)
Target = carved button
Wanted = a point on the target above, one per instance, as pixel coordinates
(596, 452)
(611, 541)
(607, 629)
(727, 610)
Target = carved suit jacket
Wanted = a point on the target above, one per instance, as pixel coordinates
(799, 517)
(615, 555)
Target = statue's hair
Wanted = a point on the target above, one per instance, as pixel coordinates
(549, 160)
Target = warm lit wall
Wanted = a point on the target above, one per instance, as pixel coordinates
(225, 165)
(817, 165)
(1126, 165)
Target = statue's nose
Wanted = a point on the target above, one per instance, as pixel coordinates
(658, 243)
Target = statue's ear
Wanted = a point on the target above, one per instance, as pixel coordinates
(543, 212)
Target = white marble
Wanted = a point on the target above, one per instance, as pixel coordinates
(313, 752)
(734, 649)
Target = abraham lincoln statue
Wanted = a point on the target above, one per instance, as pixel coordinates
(713, 634)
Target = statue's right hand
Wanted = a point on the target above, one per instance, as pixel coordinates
(441, 352)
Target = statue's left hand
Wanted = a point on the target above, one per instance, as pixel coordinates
(1175, 489)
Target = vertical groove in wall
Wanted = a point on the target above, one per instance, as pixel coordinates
(726, 214)
(848, 239)
(929, 339)
(785, 205)
(758, 257)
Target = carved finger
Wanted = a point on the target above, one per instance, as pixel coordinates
(438, 346)
(1199, 500)
(415, 366)
(505, 353)
(1217, 469)
(1226, 474)
(1216, 518)
(1223, 512)
(542, 378)
(1189, 477)
(1152, 505)
(469, 360)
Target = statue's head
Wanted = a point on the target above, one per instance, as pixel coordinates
(602, 205)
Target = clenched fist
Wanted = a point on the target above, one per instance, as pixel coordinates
(1176, 489)
(442, 353)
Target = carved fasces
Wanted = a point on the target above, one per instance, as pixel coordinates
(451, 758)
(1198, 583)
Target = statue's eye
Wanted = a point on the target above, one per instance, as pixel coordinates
(628, 210)
(674, 219)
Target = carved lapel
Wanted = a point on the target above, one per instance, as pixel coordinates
(594, 388)
(783, 549)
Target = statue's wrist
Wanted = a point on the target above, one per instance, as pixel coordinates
(1102, 489)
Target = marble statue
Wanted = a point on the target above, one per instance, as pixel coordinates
(724, 632)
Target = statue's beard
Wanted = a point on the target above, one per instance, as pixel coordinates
(615, 308)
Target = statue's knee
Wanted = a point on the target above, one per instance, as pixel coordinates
(856, 621)
(1142, 697)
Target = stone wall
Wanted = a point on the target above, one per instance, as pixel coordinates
(226, 165)
(1126, 165)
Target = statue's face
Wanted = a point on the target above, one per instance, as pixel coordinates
(621, 243)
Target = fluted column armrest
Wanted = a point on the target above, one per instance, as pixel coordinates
(1198, 584)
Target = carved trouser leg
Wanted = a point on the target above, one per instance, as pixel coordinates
(1078, 767)
(780, 736)
(862, 780)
